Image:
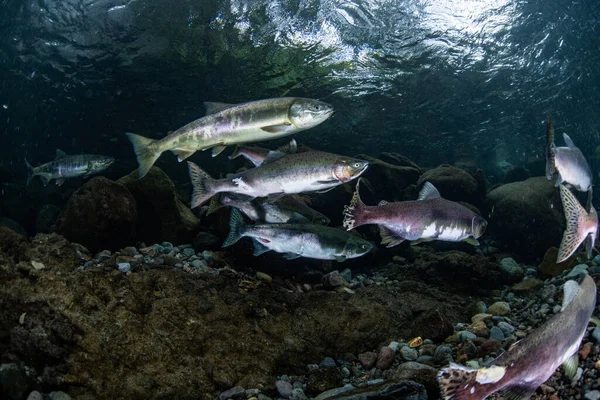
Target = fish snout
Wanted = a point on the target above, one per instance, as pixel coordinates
(478, 226)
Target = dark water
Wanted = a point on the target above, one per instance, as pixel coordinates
(439, 81)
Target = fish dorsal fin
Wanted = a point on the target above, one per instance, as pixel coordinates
(570, 291)
(569, 142)
(290, 148)
(272, 156)
(60, 154)
(382, 203)
(428, 192)
(214, 107)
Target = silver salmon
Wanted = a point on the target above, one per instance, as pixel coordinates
(69, 166)
(257, 211)
(531, 361)
(294, 173)
(567, 163)
(298, 240)
(430, 217)
(228, 124)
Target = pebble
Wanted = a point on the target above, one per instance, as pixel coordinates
(506, 327)
(499, 308)
(577, 270)
(463, 336)
(235, 392)
(208, 255)
(472, 364)
(480, 317)
(199, 264)
(327, 362)
(103, 255)
(124, 267)
(596, 334)
(298, 394)
(59, 396)
(346, 274)
(593, 394)
(368, 359)
(395, 346)
(409, 354)
(89, 264)
(284, 388)
(35, 395)
(443, 354)
(264, 277)
(385, 358)
(496, 333)
(188, 252)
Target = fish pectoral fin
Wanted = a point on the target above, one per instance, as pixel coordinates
(570, 365)
(325, 190)
(60, 181)
(520, 392)
(214, 107)
(45, 179)
(182, 154)
(297, 218)
(218, 150)
(421, 240)
(340, 258)
(389, 238)
(291, 256)
(259, 248)
(471, 241)
(278, 129)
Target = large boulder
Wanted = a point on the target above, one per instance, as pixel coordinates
(161, 215)
(455, 184)
(100, 215)
(526, 216)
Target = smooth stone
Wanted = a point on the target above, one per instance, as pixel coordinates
(528, 285)
(593, 394)
(409, 354)
(496, 334)
(188, 252)
(124, 267)
(368, 359)
(477, 307)
(472, 364)
(385, 358)
(463, 336)
(235, 392)
(35, 395)
(506, 327)
(480, 317)
(395, 346)
(327, 362)
(443, 354)
(596, 334)
(499, 308)
(59, 396)
(577, 270)
(298, 394)
(284, 388)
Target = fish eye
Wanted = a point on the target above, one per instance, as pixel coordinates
(317, 107)
(357, 165)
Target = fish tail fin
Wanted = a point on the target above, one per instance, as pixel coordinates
(30, 173)
(459, 383)
(354, 211)
(144, 151)
(550, 166)
(575, 232)
(214, 205)
(236, 152)
(202, 183)
(237, 226)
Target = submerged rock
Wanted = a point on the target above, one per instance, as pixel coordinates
(161, 215)
(526, 216)
(454, 184)
(101, 214)
(549, 266)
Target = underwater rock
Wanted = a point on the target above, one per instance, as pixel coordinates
(46, 218)
(161, 215)
(516, 173)
(367, 359)
(454, 184)
(549, 266)
(323, 379)
(388, 181)
(400, 160)
(100, 215)
(528, 285)
(14, 383)
(433, 324)
(385, 358)
(12, 244)
(419, 373)
(13, 225)
(526, 216)
(512, 269)
(499, 308)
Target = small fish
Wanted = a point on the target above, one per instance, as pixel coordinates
(258, 155)
(568, 163)
(531, 361)
(228, 124)
(257, 211)
(298, 240)
(581, 225)
(430, 217)
(294, 173)
(69, 166)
